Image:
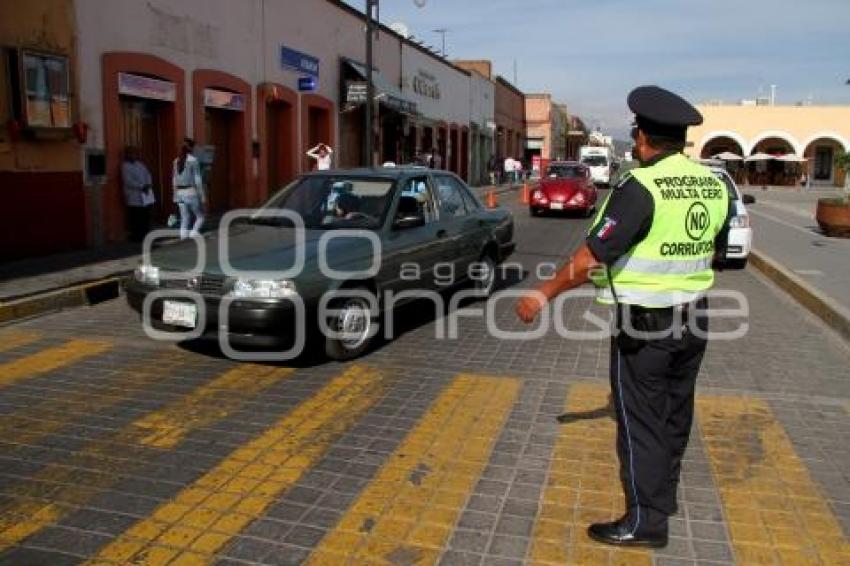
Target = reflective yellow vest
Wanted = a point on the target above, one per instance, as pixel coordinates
(672, 265)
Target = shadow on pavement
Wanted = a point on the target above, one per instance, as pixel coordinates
(600, 413)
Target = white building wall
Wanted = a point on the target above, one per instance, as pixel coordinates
(453, 103)
(192, 34)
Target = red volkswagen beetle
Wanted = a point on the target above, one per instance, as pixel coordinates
(565, 187)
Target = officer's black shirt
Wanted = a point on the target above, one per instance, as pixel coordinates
(628, 218)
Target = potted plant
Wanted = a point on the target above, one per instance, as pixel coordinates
(833, 214)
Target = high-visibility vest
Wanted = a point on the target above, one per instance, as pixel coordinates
(672, 264)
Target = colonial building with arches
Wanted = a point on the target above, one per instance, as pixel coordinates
(814, 133)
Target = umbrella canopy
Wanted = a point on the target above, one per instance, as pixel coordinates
(728, 156)
(790, 157)
(760, 157)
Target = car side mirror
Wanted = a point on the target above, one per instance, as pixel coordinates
(748, 199)
(408, 222)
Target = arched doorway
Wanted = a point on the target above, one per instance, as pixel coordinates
(820, 152)
(317, 125)
(774, 171)
(721, 144)
(143, 105)
(277, 127)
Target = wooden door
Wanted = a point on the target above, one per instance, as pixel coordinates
(218, 124)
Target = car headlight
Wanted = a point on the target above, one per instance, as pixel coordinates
(537, 195)
(262, 289)
(742, 221)
(147, 275)
(578, 198)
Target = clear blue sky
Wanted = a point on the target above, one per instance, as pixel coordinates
(591, 53)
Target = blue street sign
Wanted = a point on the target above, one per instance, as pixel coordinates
(307, 84)
(292, 59)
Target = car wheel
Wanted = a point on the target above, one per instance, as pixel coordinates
(353, 328)
(590, 212)
(534, 212)
(736, 263)
(486, 284)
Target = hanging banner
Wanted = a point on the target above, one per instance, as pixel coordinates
(223, 99)
(146, 87)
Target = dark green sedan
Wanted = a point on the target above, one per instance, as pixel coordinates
(322, 260)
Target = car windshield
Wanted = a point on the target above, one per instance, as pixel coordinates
(595, 160)
(330, 202)
(565, 172)
(730, 185)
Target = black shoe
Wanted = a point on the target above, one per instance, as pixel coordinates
(623, 533)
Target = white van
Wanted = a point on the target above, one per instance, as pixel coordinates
(598, 160)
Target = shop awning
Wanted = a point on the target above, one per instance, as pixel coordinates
(791, 158)
(386, 93)
(760, 157)
(728, 156)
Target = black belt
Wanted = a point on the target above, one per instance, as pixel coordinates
(185, 186)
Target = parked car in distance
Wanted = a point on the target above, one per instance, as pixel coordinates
(740, 240)
(566, 186)
(419, 217)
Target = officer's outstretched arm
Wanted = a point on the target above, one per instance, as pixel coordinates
(574, 273)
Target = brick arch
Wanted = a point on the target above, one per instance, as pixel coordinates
(267, 93)
(240, 175)
(308, 101)
(174, 128)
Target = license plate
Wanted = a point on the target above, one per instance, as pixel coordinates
(180, 314)
(556, 206)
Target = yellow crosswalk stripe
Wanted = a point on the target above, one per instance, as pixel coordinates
(11, 339)
(34, 421)
(113, 456)
(50, 359)
(166, 428)
(408, 511)
(774, 510)
(203, 517)
(583, 486)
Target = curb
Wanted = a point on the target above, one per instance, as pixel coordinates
(834, 315)
(81, 294)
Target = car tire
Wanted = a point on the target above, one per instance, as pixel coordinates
(736, 263)
(354, 317)
(534, 212)
(485, 287)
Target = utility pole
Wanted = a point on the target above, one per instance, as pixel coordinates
(371, 6)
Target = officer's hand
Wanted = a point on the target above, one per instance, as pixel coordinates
(528, 307)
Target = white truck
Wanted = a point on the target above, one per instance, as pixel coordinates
(599, 160)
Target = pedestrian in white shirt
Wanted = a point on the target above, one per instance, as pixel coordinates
(322, 154)
(509, 169)
(189, 190)
(138, 193)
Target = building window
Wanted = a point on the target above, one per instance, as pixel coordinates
(43, 88)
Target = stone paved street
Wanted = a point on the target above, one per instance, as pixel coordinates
(116, 449)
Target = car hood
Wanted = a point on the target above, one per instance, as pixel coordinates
(263, 248)
(561, 187)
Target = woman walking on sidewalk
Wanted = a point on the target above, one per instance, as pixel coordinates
(188, 190)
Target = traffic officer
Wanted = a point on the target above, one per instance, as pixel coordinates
(650, 253)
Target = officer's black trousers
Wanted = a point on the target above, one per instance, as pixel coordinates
(653, 385)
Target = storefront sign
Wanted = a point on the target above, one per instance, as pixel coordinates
(223, 99)
(425, 84)
(292, 59)
(355, 92)
(308, 84)
(146, 87)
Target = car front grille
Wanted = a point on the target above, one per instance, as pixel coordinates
(205, 284)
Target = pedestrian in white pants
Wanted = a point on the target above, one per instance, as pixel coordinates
(188, 190)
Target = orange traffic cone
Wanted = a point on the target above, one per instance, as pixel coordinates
(525, 196)
(491, 199)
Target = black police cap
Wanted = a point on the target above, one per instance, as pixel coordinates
(661, 112)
